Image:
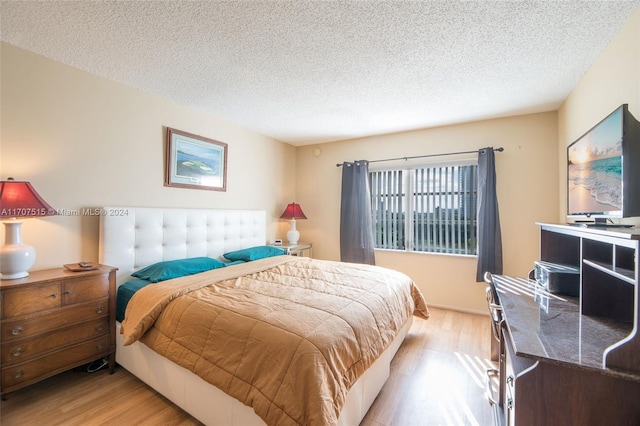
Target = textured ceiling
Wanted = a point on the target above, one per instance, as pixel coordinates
(317, 71)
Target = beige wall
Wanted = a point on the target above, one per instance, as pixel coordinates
(612, 80)
(527, 192)
(84, 141)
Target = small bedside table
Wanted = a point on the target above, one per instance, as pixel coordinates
(299, 249)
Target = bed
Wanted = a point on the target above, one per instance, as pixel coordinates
(133, 237)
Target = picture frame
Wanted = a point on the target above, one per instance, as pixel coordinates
(196, 162)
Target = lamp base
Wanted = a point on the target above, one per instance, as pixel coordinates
(293, 235)
(15, 258)
(14, 276)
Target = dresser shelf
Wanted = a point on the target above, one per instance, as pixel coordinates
(623, 274)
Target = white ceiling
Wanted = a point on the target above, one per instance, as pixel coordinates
(316, 71)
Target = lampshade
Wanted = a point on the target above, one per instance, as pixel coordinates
(18, 200)
(293, 212)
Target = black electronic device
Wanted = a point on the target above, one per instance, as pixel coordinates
(558, 279)
(603, 170)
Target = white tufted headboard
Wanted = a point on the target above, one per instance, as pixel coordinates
(134, 237)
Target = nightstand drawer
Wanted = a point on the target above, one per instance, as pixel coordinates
(31, 299)
(25, 349)
(54, 363)
(78, 291)
(31, 326)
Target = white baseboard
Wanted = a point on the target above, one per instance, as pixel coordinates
(482, 312)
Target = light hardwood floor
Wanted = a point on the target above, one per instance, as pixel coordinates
(437, 378)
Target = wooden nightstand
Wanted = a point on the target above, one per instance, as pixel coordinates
(299, 249)
(54, 320)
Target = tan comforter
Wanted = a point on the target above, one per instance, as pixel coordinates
(285, 335)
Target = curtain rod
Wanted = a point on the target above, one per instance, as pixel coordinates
(425, 156)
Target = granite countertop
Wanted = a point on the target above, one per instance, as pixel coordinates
(549, 328)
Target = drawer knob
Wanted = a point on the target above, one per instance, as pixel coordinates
(53, 295)
(17, 374)
(19, 329)
(99, 346)
(17, 352)
(100, 327)
(67, 292)
(99, 309)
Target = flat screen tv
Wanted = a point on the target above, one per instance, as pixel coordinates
(603, 170)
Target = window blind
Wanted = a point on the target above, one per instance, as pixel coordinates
(438, 215)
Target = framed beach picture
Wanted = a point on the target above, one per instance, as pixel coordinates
(194, 161)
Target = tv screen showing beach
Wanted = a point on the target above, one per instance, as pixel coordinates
(595, 169)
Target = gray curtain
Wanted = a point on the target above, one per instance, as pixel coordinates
(489, 235)
(356, 228)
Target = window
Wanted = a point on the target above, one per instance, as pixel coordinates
(429, 209)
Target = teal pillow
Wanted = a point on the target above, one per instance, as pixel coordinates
(254, 253)
(169, 269)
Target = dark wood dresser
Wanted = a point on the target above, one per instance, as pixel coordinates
(54, 320)
(568, 360)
